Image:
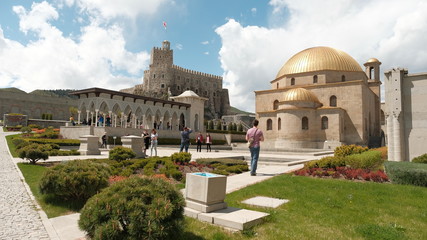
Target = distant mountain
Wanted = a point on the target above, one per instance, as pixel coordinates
(12, 90)
(234, 111)
(62, 93)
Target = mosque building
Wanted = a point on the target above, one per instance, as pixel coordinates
(321, 98)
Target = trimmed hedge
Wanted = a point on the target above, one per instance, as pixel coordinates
(135, 208)
(75, 180)
(366, 160)
(60, 142)
(223, 161)
(420, 159)
(346, 150)
(181, 157)
(407, 173)
(121, 153)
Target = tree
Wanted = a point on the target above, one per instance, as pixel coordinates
(33, 153)
(73, 111)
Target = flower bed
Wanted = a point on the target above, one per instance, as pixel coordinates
(345, 173)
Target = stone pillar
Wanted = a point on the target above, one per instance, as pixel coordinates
(104, 119)
(397, 139)
(89, 145)
(115, 120)
(134, 120)
(135, 143)
(91, 119)
(144, 122)
(110, 114)
(390, 137)
(78, 116)
(96, 117)
(87, 116)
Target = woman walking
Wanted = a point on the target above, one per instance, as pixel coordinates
(199, 140)
(208, 143)
(154, 137)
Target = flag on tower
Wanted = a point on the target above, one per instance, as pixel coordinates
(164, 24)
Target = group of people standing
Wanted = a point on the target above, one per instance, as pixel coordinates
(150, 139)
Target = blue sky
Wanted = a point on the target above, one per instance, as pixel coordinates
(106, 43)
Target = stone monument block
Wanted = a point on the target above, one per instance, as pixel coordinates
(205, 192)
(89, 145)
(135, 143)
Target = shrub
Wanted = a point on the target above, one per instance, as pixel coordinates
(26, 130)
(135, 208)
(33, 153)
(346, 150)
(34, 126)
(407, 173)
(326, 162)
(225, 161)
(383, 151)
(181, 157)
(60, 142)
(121, 153)
(420, 159)
(237, 168)
(75, 180)
(20, 143)
(367, 160)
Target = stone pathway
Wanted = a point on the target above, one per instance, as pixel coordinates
(19, 218)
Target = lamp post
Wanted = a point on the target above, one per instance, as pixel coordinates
(114, 140)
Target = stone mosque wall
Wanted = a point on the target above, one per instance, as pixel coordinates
(163, 79)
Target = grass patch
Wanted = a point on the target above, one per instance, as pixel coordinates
(329, 209)
(52, 207)
(10, 144)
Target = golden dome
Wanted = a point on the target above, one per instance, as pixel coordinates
(319, 59)
(300, 95)
(371, 60)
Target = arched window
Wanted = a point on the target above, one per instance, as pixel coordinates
(324, 122)
(275, 104)
(277, 85)
(178, 87)
(371, 73)
(342, 78)
(304, 123)
(279, 124)
(315, 79)
(292, 81)
(269, 124)
(333, 101)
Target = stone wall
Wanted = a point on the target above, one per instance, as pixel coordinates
(35, 105)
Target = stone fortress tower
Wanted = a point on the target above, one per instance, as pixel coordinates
(164, 79)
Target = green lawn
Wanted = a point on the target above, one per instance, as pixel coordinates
(53, 208)
(11, 146)
(330, 209)
(318, 209)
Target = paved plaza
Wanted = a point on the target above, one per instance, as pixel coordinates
(21, 218)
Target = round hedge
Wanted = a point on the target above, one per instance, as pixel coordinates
(135, 208)
(121, 153)
(75, 180)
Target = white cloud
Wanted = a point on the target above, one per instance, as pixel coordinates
(96, 58)
(253, 10)
(205, 42)
(206, 53)
(251, 56)
(179, 46)
(124, 8)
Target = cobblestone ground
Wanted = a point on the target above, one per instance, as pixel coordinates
(18, 217)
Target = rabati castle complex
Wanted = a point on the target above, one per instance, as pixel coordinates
(164, 79)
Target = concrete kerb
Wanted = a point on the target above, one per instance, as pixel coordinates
(53, 235)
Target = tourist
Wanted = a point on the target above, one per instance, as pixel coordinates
(168, 125)
(89, 123)
(108, 121)
(159, 126)
(208, 142)
(72, 121)
(146, 138)
(155, 125)
(84, 122)
(104, 141)
(199, 141)
(185, 139)
(254, 136)
(154, 136)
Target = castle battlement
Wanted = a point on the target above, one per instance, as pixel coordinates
(196, 72)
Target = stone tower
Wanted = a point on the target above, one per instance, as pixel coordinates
(164, 78)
